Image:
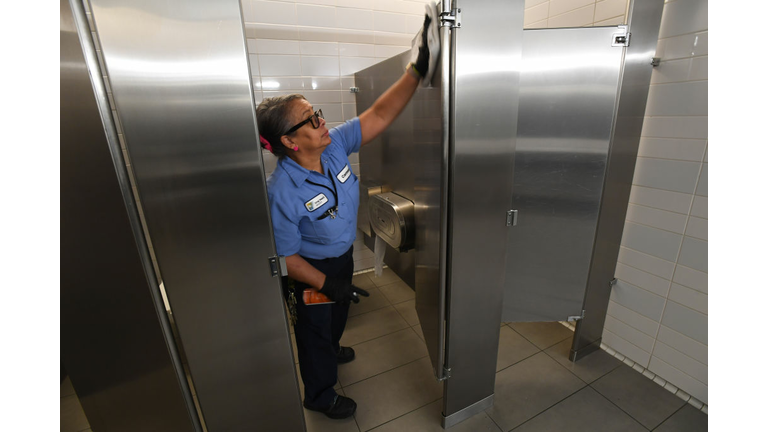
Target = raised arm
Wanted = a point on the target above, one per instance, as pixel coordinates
(390, 104)
(387, 107)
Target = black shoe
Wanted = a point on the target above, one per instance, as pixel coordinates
(341, 408)
(345, 355)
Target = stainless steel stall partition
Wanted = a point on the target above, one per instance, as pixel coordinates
(450, 154)
(181, 83)
(515, 173)
(116, 341)
(644, 21)
(582, 102)
(568, 89)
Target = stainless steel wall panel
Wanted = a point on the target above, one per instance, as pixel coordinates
(116, 341)
(182, 86)
(644, 22)
(568, 90)
(407, 159)
(488, 51)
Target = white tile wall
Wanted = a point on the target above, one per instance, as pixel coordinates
(665, 234)
(313, 47)
(574, 13)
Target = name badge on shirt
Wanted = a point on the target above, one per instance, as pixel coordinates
(316, 202)
(344, 174)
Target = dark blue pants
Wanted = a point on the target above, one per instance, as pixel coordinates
(318, 331)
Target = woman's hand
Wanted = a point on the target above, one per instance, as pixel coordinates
(341, 290)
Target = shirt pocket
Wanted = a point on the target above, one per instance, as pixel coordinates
(328, 230)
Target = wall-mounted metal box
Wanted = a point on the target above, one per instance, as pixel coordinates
(391, 217)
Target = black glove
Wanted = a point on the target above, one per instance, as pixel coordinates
(342, 290)
(422, 61)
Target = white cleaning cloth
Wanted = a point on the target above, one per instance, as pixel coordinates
(432, 10)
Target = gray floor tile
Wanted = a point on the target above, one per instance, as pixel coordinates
(543, 334)
(387, 277)
(72, 417)
(588, 368)
(382, 354)
(429, 419)
(66, 387)
(361, 253)
(407, 310)
(644, 400)
(364, 264)
(319, 422)
(419, 331)
(375, 301)
(337, 387)
(512, 348)
(363, 280)
(394, 393)
(586, 410)
(529, 387)
(687, 419)
(371, 325)
(397, 292)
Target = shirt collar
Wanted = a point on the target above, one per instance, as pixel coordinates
(296, 172)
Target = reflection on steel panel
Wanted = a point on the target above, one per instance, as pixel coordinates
(182, 86)
(406, 159)
(644, 22)
(568, 90)
(488, 50)
(116, 341)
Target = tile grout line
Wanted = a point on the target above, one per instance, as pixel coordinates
(667, 300)
(650, 375)
(657, 208)
(622, 409)
(668, 417)
(550, 407)
(403, 415)
(383, 372)
(380, 336)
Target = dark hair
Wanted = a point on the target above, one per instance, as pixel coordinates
(273, 117)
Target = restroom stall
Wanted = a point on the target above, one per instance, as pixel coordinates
(184, 107)
(487, 196)
(501, 174)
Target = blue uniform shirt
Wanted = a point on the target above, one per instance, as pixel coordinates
(299, 199)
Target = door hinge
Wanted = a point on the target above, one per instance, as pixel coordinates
(511, 217)
(277, 266)
(621, 38)
(576, 317)
(612, 282)
(446, 374)
(451, 19)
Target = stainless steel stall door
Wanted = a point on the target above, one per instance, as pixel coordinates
(568, 89)
(182, 86)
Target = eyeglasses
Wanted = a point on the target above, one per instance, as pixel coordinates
(314, 119)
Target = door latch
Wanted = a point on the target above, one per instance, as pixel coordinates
(576, 317)
(511, 217)
(277, 266)
(621, 38)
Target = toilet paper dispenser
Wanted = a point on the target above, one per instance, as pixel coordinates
(391, 217)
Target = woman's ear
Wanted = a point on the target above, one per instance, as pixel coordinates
(287, 142)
